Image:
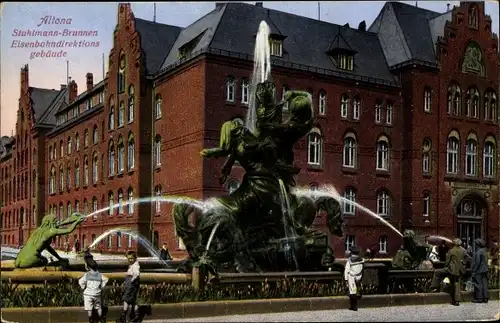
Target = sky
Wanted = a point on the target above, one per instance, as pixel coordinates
(101, 17)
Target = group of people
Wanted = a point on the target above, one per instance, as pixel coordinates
(93, 283)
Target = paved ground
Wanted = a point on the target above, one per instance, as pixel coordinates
(424, 313)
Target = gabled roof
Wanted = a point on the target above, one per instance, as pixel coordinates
(48, 118)
(340, 44)
(404, 33)
(41, 100)
(156, 41)
(206, 25)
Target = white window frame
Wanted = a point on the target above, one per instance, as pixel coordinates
(427, 204)
(85, 171)
(427, 100)
(382, 155)
(356, 108)
(389, 114)
(121, 114)
(378, 113)
(349, 241)
(95, 169)
(157, 201)
(111, 203)
(349, 152)
(322, 102)
(488, 160)
(471, 158)
(426, 163)
(121, 158)
(276, 47)
(314, 142)
(95, 136)
(349, 208)
(383, 204)
(452, 155)
(121, 207)
(244, 91)
(230, 88)
(131, 153)
(158, 106)
(157, 151)
(382, 245)
(344, 106)
(130, 194)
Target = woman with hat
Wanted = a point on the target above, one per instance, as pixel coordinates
(353, 273)
(453, 269)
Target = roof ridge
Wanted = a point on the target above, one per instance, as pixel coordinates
(415, 7)
(156, 23)
(216, 26)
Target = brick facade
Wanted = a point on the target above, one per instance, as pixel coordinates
(192, 98)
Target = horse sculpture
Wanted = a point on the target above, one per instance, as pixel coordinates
(262, 225)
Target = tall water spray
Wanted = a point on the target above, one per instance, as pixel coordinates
(261, 70)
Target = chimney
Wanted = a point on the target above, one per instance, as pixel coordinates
(90, 81)
(259, 4)
(219, 5)
(73, 91)
(448, 7)
(63, 86)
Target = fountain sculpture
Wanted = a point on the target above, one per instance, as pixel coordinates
(263, 225)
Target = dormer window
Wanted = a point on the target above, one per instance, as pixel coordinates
(345, 61)
(87, 105)
(276, 47)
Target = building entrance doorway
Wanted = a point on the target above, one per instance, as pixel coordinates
(471, 212)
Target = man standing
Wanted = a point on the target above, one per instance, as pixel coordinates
(480, 272)
(164, 254)
(454, 268)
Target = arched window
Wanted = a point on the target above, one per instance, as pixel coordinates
(452, 153)
(454, 99)
(121, 74)
(111, 115)
(60, 215)
(383, 203)
(85, 207)
(130, 152)
(121, 155)
(77, 142)
(121, 206)
(94, 206)
(95, 168)
(426, 209)
(157, 150)
(244, 90)
(350, 151)
(426, 156)
(61, 147)
(471, 157)
(69, 209)
(77, 174)
(61, 178)
(111, 200)
(77, 206)
(356, 108)
(322, 102)
(158, 104)
(230, 89)
(489, 157)
(34, 185)
(389, 113)
(69, 145)
(95, 135)
(473, 17)
(131, 99)
(52, 180)
(111, 158)
(383, 154)
(427, 99)
(344, 105)
(130, 194)
(490, 106)
(158, 202)
(121, 114)
(378, 111)
(472, 103)
(68, 176)
(350, 196)
(85, 170)
(86, 138)
(315, 147)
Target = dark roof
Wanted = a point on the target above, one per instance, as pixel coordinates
(41, 100)
(48, 118)
(5, 146)
(156, 41)
(414, 23)
(405, 34)
(232, 27)
(339, 43)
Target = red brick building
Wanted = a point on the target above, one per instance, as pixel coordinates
(407, 123)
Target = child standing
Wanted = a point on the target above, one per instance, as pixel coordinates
(352, 274)
(131, 288)
(92, 284)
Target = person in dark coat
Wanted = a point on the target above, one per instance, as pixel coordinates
(454, 269)
(479, 270)
(164, 253)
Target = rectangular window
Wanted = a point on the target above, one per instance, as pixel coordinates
(382, 245)
(276, 47)
(345, 62)
(388, 119)
(427, 204)
(350, 240)
(378, 113)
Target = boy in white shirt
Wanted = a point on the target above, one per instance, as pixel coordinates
(92, 284)
(131, 288)
(353, 273)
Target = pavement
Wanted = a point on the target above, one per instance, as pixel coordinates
(422, 313)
